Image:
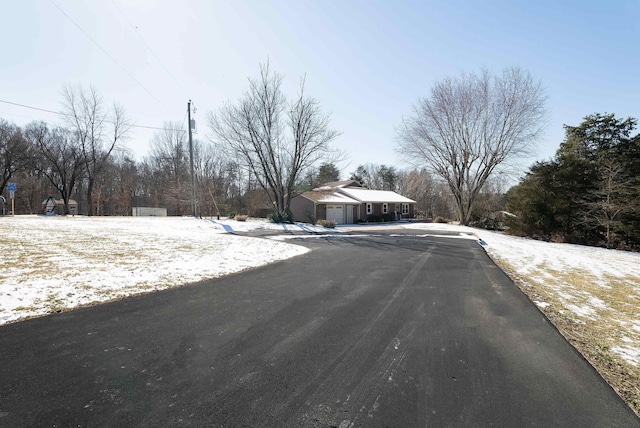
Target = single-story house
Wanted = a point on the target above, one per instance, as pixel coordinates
(347, 202)
(55, 206)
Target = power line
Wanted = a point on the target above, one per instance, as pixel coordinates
(30, 107)
(108, 55)
(135, 29)
(67, 115)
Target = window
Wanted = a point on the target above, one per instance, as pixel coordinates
(369, 208)
(405, 208)
(385, 208)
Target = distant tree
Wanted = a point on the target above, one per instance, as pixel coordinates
(58, 157)
(489, 204)
(327, 173)
(276, 141)
(14, 152)
(119, 185)
(389, 176)
(98, 131)
(470, 126)
(362, 176)
(167, 169)
(431, 194)
(536, 202)
(419, 186)
(378, 177)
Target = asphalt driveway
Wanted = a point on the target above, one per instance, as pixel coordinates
(374, 330)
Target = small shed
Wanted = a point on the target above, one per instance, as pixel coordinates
(55, 206)
(148, 212)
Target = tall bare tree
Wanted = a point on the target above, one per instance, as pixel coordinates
(276, 141)
(97, 128)
(14, 152)
(472, 125)
(168, 167)
(58, 157)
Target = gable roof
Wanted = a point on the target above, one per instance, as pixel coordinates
(329, 197)
(340, 184)
(367, 195)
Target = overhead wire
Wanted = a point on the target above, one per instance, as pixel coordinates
(67, 115)
(108, 55)
(135, 29)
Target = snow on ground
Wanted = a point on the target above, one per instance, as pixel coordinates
(49, 264)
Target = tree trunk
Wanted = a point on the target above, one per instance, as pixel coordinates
(90, 183)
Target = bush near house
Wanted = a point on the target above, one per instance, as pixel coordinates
(330, 224)
(280, 217)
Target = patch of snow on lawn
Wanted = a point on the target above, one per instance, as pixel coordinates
(581, 311)
(628, 353)
(541, 305)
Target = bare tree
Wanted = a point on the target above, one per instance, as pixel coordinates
(472, 125)
(419, 186)
(59, 158)
(168, 166)
(276, 141)
(615, 193)
(13, 152)
(117, 187)
(97, 129)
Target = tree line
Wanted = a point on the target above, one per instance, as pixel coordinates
(106, 180)
(265, 147)
(589, 193)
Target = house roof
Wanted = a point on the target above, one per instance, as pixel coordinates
(339, 184)
(367, 195)
(59, 201)
(329, 197)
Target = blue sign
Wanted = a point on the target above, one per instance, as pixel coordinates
(12, 187)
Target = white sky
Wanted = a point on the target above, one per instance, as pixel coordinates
(65, 262)
(366, 61)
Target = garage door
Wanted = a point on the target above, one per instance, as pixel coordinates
(335, 213)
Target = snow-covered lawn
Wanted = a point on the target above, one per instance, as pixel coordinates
(51, 264)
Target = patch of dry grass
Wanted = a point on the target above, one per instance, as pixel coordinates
(598, 316)
(329, 224)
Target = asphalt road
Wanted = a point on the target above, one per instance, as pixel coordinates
(364, 331)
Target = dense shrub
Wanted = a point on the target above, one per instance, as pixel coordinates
(231, 214)
(241, 217)
(327, 223)
(281, 217)
(439, 219)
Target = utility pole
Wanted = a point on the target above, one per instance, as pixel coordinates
(193, 176)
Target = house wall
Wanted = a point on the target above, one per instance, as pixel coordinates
(377, 211)
(303, 209)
